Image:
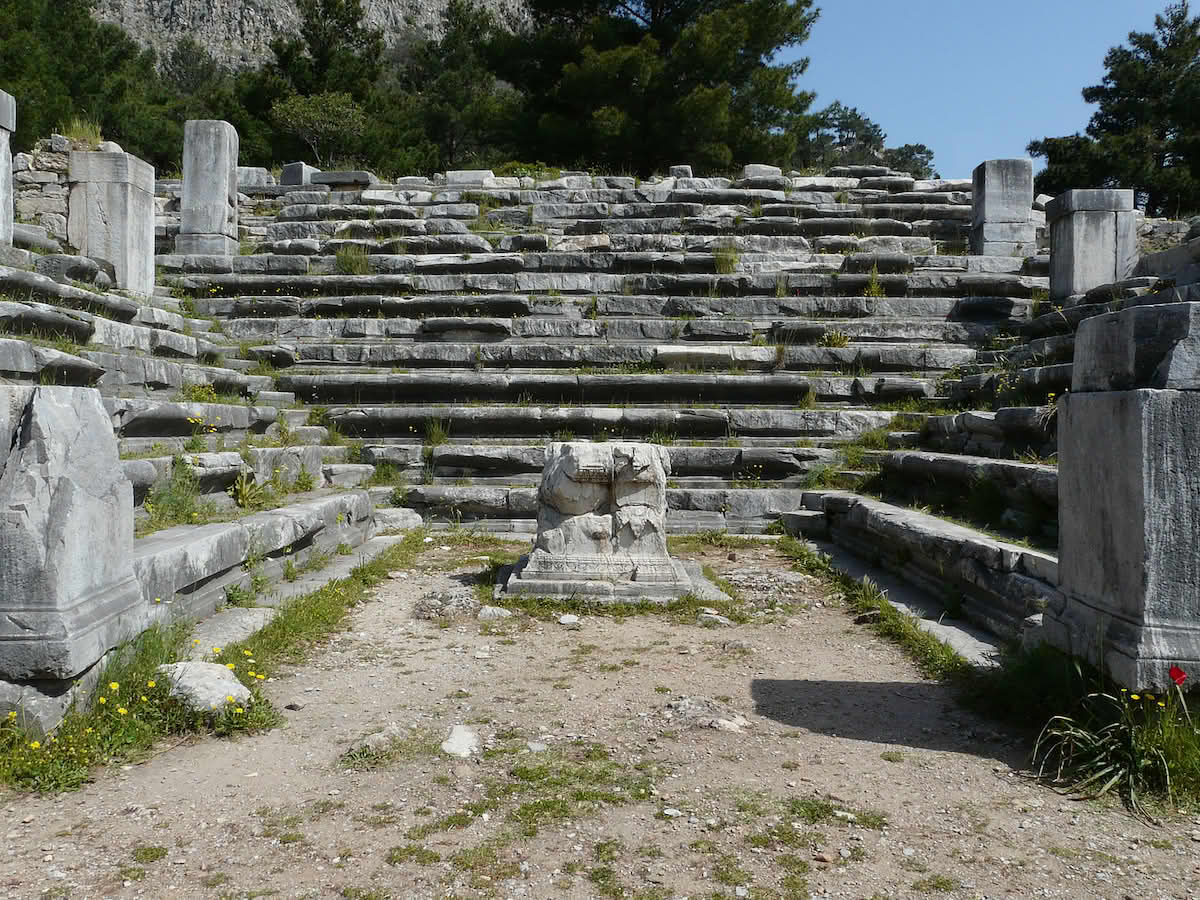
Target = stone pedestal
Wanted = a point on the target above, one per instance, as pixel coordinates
(1001, 207)
(208, 222)
(1093, 240)
(8, 124)
(602, 526)
(67, 588)
(110, 214)
(1129, 496)
(298, 173)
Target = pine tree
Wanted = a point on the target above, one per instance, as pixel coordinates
(1145, 133)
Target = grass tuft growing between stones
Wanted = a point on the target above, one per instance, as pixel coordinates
(352, 259)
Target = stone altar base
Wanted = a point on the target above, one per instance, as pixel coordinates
(602, 527)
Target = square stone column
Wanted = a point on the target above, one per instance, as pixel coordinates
(67, 588)
(1129, 496)
(208, 221)
(1001, 207)
(110, 214)
(1093, 240)
(8, 124)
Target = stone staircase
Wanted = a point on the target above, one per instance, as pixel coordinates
(454, 328)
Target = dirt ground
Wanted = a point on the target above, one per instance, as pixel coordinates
(809, 758)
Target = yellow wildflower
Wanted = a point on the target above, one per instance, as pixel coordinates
(103, 699)
(230, 666)
(144, 698)
(246, 652)
(114, 686)
(1135, 696)
(1163, 705)
(239, 710)
(35, 744)
(216, 649)
(229, 698)
(122, 710)
(150, 684)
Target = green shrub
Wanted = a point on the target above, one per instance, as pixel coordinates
(874, 286)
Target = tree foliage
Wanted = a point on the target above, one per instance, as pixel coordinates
(619, 85)
(1145, 132)
(330, 123)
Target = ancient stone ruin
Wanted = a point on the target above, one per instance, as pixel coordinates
(602, 532)
(595, 362)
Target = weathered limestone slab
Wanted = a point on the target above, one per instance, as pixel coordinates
(1002, 194)
(602, 525)
(110, 214)
(1129, 528)
(1093, 236)
(208, 204)
(8, 124)
(1154, 346)
(67, 587)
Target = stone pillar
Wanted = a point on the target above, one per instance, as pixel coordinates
(8, 124)
(67, 589)
(110, 214)
(1093, 240)
(208, 208)
(1001, 207)
(1129, 496)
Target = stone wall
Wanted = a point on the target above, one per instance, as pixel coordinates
(40, 185)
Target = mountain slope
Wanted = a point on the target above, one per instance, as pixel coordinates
(238, 32)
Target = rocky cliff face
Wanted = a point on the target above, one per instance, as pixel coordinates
(238, 32)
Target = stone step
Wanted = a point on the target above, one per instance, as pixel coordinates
(184, 571)
(534, 387)
(1007, 312)
(991, 583)
(339, 566)
(508, 461)
(584, 422)
(740, 509)
(1015, 496)
(640, 357)
(1007, 432)
(772, 283)
(630, 329)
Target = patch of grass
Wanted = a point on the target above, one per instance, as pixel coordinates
(125, 715)
(417, 744)
(176, 500)
(148, 854)
(86, 131)
(893, 756)
(834, 339)
(437, 432)
(726, 259)
(874, 286)
(352, 259)
(416, 853)
(936, 884)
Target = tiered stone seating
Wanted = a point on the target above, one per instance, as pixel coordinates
(754, 324)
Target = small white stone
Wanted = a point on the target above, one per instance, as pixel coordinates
(672, 813)
(462, 742)
(568, 619)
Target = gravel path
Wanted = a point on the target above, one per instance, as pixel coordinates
(798, 755)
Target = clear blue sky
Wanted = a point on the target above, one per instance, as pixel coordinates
(971, 79)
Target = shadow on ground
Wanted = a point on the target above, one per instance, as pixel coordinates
(913, 714)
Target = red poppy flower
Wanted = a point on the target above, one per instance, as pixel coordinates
(1177, 675)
